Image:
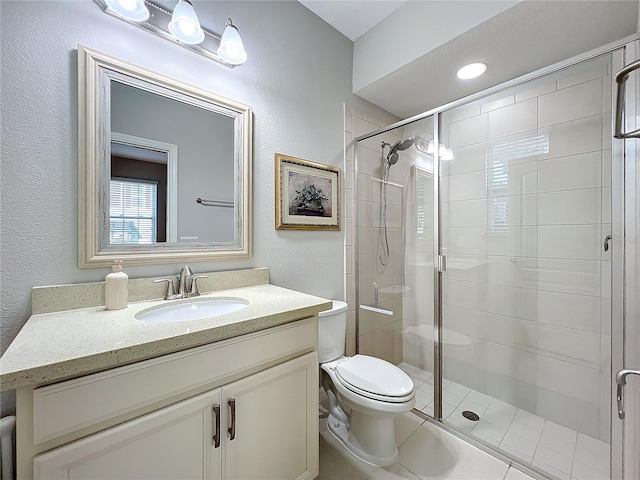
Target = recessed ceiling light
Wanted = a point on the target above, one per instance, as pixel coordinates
(472, 70)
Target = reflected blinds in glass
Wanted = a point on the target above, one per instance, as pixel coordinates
(421, 202)
(133, 211)
(500, 155)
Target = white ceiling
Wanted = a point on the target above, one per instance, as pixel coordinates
(352, 18)
(528, 36)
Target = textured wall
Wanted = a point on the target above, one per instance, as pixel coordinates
(297, 77)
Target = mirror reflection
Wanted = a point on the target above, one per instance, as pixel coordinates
(166, 154)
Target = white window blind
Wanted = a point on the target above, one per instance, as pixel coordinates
(421, 192)
(499, 156)
(133, 211)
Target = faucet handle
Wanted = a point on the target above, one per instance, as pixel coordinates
(171, 287)
(194, 285)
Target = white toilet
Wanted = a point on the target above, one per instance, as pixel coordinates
(365, 393)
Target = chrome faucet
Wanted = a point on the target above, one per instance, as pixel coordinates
(187, 284)
(186, 275)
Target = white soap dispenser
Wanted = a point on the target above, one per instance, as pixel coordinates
(116, 288)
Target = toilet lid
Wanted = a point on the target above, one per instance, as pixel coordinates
(374, 375)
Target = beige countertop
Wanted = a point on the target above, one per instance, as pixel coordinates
(61, 345)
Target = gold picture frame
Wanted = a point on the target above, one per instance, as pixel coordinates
(307, 195)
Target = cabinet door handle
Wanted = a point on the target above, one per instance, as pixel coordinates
(216, 426)
(232, 428)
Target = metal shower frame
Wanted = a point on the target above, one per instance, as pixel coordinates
(438, 265)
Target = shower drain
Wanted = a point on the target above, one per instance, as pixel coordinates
(469, 415)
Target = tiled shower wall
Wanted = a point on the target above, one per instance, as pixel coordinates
(527, 293)
(526, 208)
(380, 335)
(417, 323)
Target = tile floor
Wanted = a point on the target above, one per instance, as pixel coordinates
(552, 448)
(426, 452)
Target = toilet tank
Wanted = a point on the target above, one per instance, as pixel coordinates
(332, 329)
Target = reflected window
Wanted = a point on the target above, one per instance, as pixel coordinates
(424, 180)
(133, 211)
(500, 154)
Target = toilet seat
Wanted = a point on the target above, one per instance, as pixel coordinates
(374, 378)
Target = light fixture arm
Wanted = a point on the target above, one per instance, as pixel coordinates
(158, 22)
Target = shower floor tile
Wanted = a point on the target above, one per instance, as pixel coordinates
(547, 446)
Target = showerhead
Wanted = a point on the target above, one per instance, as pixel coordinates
(400, 145)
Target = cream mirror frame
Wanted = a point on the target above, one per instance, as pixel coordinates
(95, 74)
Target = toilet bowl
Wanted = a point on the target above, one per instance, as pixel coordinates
(365, 393)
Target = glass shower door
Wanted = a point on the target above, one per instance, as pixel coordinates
(394, 230)
(526, 298)
(626, 261)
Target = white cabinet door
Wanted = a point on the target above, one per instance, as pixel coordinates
(175, 442)
(273, 433)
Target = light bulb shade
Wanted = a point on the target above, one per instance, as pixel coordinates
(184, 24)
(430, 147)
(422, 145)
(134, 10)
(447, 153)
(231, 48)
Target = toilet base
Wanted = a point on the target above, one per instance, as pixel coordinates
(340, 430)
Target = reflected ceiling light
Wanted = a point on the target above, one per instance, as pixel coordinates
(134, 10)
(423, 145)
(184, 24)
(430, 147)
(180, 27)
(231, 48)
(444, 152)
(472, 70)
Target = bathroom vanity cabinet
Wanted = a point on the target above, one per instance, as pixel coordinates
(241, 408)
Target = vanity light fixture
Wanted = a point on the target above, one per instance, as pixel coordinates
(134, 10)
(180, 27)
(231, 48)
(444, 152)
(184, 24)
(472, 70)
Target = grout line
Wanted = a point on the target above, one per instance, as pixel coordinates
(573, 457)
(538, 442)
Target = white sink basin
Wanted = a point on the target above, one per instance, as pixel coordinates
(191, 310)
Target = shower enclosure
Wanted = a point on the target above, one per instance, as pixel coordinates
(489, 265)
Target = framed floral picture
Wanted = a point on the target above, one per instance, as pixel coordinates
(307, 195)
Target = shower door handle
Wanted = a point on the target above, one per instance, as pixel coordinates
(621, 380)
(621, 79)
(442, 263)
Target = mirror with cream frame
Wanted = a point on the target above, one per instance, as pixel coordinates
(164, 168)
